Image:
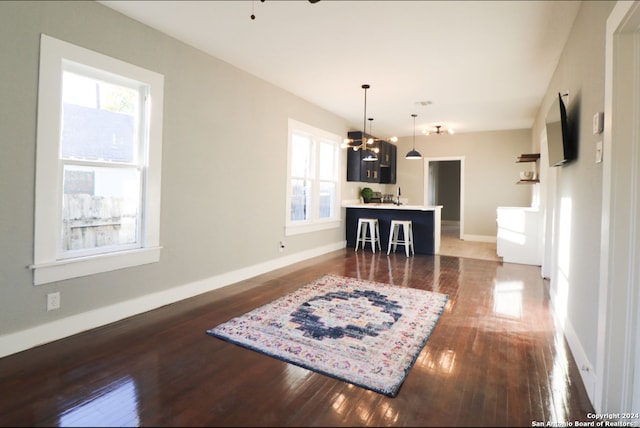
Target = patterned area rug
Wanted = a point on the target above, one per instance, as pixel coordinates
(362, 332)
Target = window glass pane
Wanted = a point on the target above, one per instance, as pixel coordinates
(300, 156)
(327, 161)
(99, 120)
(327, 198)
(100, 207)
(300, 199)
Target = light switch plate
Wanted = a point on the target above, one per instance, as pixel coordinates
(598, 123)
(599, 151)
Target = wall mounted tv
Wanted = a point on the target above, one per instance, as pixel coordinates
(559, 142)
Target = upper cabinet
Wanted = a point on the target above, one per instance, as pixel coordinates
(381, 171)
(388, 164)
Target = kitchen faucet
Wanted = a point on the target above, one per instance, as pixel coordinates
(398, 198)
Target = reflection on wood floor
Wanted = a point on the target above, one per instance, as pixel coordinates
(495, 358)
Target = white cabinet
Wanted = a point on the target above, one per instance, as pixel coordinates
(518, 238)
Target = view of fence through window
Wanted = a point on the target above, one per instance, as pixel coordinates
(100, 157)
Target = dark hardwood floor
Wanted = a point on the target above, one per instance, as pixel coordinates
(494, 358)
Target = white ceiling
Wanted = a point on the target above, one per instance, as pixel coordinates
(483, 65)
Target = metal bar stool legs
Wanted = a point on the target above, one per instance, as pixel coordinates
(371, 226)
(407, 234)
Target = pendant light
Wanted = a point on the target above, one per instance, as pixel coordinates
(414, 154)
(366, 140)
(370, 153)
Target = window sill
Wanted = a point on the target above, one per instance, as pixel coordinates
(45, 273)
(300, 229)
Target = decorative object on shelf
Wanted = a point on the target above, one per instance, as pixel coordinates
(528, 177)
(414, 154)
(367, 140)
(366, 193)
(439, 130)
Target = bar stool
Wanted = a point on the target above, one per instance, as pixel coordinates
(372, 225)
(407, 234)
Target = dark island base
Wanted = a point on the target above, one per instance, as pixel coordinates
(423, 227)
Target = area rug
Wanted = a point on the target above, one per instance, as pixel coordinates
(362, 332)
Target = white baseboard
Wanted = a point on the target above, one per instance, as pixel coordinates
(45, 333)
(480, 238)
(587, 372)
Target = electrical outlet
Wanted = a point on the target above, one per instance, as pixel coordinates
(53, 301)
(281, 247)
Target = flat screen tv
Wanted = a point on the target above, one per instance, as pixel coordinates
(559, 142)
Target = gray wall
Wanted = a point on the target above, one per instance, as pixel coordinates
(490, 172)
(572, 194)
(224, 162)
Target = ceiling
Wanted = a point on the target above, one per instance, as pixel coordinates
(470, 65)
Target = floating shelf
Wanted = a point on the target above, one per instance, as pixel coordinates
(529, 157)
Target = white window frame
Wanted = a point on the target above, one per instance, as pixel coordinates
(48, 266)
(314, 223)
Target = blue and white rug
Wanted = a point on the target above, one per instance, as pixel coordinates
(366, 333)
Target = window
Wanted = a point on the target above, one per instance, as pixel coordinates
(98, 162)
(313, 180)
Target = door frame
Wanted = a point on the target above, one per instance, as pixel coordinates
(428, 182)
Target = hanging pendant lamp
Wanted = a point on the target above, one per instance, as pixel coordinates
(414, 154)
(370, 153)
(366, 140)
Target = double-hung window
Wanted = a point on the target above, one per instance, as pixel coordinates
(98, 162)
(313, 180)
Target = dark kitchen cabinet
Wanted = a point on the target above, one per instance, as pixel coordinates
(353, 165)
(370, 171)
(388, 164)
(384, 156)
(381, 171)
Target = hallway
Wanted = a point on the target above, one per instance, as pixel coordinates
(452, 245)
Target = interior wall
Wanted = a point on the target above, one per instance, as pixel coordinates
(491, 172)
(575, 204)
(618, 378)
(223, 173)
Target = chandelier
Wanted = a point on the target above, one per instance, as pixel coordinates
(438, 130)
(367, 141)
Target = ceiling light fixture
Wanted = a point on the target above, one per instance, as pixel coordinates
(373, 140)
(367, 139)
(370, 154)
(438, 130)
(414, 154)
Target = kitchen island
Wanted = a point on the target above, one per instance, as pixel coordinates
(425, 218)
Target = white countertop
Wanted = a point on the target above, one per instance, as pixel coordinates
(393, 206)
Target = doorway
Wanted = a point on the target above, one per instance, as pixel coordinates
(444, 185)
